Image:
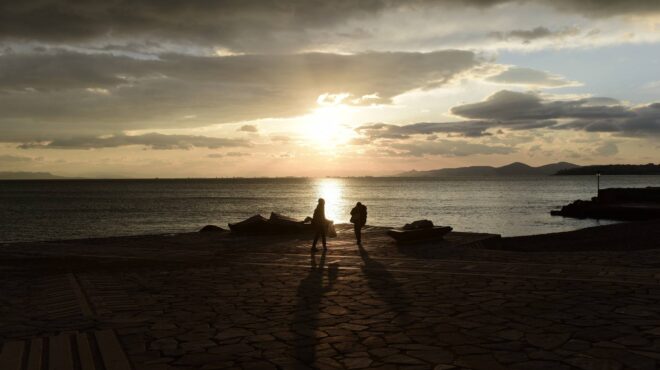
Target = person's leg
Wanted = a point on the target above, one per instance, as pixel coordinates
(316, 239)
(323, 238)
(356, 229)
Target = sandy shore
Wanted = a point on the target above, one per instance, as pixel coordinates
(214, 300)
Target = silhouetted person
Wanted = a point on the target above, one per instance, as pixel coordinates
(319, 223)
(359, 219)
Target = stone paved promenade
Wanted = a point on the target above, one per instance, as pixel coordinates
(213, 301)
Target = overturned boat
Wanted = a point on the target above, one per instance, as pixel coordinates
(419, 231)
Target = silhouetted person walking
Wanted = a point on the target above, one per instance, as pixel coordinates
(359, 219)
(319, 223)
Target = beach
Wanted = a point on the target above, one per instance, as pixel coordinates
(579, 300)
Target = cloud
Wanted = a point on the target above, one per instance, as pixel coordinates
(645, 122)
(280, 138)
(514, 106)
(532, 77)
(10, 159)
(228, 154)
(238, 154)
(240, 25)
(606, 8)
(248, 128)
(607, 149)
(46, 96)
(527, 36)
(388, 131)
(448, 148)
(517, 110)
(525, 111)
(150, 140)
(394, 140)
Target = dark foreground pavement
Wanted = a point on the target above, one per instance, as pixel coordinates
(212, 301)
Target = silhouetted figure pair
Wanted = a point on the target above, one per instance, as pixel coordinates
(319, 223)
(359, 219)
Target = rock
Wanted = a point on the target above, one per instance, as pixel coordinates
(256, 224)
(419, 224)
(277, 224)
(616, 204)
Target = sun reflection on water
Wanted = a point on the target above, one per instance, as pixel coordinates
(331, 190)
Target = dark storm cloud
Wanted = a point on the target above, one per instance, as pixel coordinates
(54, 95)
(151, 140)
(236, 24)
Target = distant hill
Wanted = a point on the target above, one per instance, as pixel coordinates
(513, 169)
(29, 176)
(614, 169)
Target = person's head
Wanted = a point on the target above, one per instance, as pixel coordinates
(321, 202)
(358, 204)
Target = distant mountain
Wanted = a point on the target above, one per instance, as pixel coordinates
(614, 169)
(29, 176)
(513, 169)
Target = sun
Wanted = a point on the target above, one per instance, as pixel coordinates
(326, 127)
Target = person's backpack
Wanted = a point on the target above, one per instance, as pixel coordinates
(354, 215)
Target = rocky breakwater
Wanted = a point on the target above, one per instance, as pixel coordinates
(616, 204)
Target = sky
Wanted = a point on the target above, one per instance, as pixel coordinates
(252, 88)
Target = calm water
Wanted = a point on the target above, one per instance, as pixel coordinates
(47, 210)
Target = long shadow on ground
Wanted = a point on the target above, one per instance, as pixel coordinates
(305, 322)
(385, 286)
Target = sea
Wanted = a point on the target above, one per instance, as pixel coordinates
(36, 210)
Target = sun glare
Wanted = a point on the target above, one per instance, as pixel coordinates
(326, 127)
(330, 190)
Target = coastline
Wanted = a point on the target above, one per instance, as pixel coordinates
(634, 235)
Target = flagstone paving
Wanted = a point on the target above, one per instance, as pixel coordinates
(217, 301)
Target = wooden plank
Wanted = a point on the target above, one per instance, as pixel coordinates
(36, 353)
(112, 354)
(60, 353)
(11, 357)
(85, 352)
